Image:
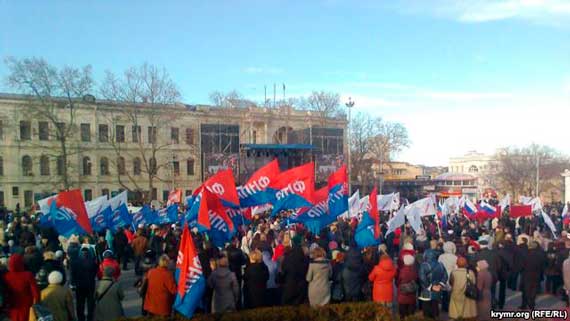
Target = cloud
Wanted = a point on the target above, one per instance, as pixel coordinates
(553, 12)
(262, 70)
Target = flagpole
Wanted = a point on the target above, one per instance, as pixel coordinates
(349, 105)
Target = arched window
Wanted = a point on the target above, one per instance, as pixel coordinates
(152, 166)
(27, 165)
(121, 168)
(137, 166)
(44, 165)
(104, 166)
(473, 169)
(86, 166)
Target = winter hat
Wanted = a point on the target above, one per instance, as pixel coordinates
(297, 240)
(55, 277)
(408, 246)
(408, 260)
(107, 254)
(58, 254)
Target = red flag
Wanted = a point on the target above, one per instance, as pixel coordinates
(210, 205)
(338, 177)
(73, 200)
(187, 262)
(520, 211)
(374, 214)
(299, 180)
(174, 197)
(263, 176)
(223, 185)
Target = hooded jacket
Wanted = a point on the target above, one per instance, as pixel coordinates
(382, 278)
(318, 276)
(21, 289)
(431, 273)
(226, 290)
(353, 275)
(448, 258)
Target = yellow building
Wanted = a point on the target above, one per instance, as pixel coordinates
(113, 146)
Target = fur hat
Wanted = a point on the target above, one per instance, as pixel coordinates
(55, 277)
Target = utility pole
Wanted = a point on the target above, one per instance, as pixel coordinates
(349, 105)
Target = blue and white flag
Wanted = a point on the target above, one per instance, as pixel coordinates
(167, 215)
(364, 235)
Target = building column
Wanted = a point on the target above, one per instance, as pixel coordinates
(566, 176)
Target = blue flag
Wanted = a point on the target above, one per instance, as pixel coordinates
(364, 235)
(120, 217)
(101, 221)
(220, 233)
(167, 215)
(64, 221)
(145, 216)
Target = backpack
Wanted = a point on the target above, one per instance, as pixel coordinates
(42, 312)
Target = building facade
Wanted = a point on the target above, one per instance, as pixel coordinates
(482, 167)
(104, 147)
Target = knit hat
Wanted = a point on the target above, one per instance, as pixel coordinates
(55, 277)
(408, 246)
(408, 260)
(333, 245)
(58, 254)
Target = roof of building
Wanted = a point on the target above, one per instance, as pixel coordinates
(454, 177)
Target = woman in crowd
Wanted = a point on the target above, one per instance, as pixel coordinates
(433, 278)
(255, 280)
(109, 296)
(57, 299)
(460, 306)
(293, 274)
(382, 278)
(484, 281)
(225, 286)
(407, 287)
(21, 291)
(319, 275)
(160, 289)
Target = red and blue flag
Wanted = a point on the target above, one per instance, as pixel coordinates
(254, 191)
(294, 188)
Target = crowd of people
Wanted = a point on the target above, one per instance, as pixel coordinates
(463, 268)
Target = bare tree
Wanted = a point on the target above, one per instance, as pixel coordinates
(231, 99)
(516, 172)
(147, 90)
(373, 141)
(324, 104)
(53, 96)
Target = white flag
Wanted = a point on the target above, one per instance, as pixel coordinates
(95, 206)
(398, 220)
(44, 204)
(414, 217)
(506, 201)
(548, 222)
(426, 206)
(564, 210)
(354, 204)
(116, 201)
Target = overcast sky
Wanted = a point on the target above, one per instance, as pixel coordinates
(460, 75)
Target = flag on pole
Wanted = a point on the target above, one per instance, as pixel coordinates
(565, 215)
(189, 276)
(374, 213)
(364, 234)
(520, 211)
(223, 185)
(397, 220)
(548, 222)
(505, 202)
(294, 188)
(338, 192)
(469, 209)
(68, 214)
(174, 197)
(354, 204)
(254, 191)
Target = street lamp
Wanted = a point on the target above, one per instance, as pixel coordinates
(349, 105)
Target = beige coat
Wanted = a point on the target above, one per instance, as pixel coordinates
(460, 307)
(59, 300)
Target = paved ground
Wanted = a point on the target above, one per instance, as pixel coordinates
(132, 303)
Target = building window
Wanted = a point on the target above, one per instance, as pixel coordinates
(25, 130)
(473, 169)
(103, 133)
(121, 168)
(15, 191)
(85, 132)
(87, 195)
(176, 168)
(86, 166)
(105, 192)
(2, 198)
(174, 135)
(152, 135)
(60, 165)
(43, 130)
(1, 166)
(28, 198)
(190, 136)
(190, 167)
(254, 137)
(44, 165)
(137, 133)
(137, 166)
(120, 133)
(165, 195)
(60, 131)
(188, 192)
(104, 166)
(27, 166)
(152, 166)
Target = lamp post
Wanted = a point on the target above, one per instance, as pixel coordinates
(349, 105)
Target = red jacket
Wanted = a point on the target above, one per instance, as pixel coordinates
(407, 274)
(21, 289)
(160, 291)
(382, 277)
(112, 263)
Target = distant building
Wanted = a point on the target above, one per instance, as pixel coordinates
(480, 166)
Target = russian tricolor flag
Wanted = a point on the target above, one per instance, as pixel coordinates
(488, 210)
(565, 215)
(469, 209)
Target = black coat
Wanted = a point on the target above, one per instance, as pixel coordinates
(520, 257)
(353, 275)
(532, 270)
(236, 260)
(506, 255)
(255, 284)
(84, 272)
(293, 276)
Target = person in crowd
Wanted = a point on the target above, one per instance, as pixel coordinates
(493, 260)
(160, 289)
(32, 259)
(484, 284)
(505, 250)
(337, 291)
(318, 277)
(553, 270)
(519, 259)
(148, 263)
(407, 287)
(109, 296)
(566, 278)
(237, 260)
(382, 278)
(531, 275)
(460, 306)
(433, 277)
(121, 248)
(273, 290)
(21, 291)
(255, 280)
(293, 274)
(109, 260)
(449, 261)
(57, 299)
(49, 265)
(225, 287)
(139, 245)
(83, 276)
(353, 274)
